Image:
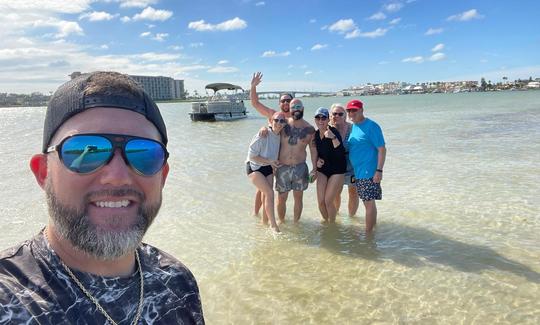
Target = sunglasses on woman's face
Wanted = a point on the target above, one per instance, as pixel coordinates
(321, 117)
(86, 153)
(280, 120)
(338, 114)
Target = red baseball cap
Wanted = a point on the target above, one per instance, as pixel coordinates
(355, 104)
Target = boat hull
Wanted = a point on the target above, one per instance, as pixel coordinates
(218, 111)
(213, 117)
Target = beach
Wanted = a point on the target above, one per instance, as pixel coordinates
(457, 234)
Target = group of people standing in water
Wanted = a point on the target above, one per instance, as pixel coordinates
(341, 153)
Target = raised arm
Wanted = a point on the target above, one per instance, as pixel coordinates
(262, 109)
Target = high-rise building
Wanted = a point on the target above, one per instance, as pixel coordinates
(161, 88)
(158, 88)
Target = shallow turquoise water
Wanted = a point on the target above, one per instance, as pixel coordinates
(457, 240)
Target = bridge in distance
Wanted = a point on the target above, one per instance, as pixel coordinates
(295, 93)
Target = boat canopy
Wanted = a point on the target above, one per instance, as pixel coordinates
(220, 86)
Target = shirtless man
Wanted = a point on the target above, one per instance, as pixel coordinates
(266, 111)
(293, 172)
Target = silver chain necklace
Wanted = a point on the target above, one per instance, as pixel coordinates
(96, 302)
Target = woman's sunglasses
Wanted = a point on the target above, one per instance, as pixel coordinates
(86, 153)
(280, 120)
(338, 113)
(321, 117)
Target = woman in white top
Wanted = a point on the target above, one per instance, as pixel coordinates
(262, 159)
(338, 119)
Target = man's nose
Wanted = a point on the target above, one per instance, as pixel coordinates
(117, 172)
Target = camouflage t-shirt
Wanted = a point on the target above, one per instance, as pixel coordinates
(35, 289)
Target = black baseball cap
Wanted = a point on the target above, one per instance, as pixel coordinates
(72, 98)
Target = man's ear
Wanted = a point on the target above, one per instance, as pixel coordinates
(38, 165)
(164, 173)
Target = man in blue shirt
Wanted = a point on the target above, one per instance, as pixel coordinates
(367, 154)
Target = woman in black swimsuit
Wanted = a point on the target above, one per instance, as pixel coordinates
(331, 165)
(338, 119)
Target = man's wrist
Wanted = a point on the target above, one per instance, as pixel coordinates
(379, 170)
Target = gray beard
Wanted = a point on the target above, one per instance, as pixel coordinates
(74, 225)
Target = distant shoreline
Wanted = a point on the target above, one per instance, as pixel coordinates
(196, 100)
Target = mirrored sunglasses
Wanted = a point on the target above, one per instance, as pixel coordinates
(280, 120)
(297, 107)
(86, 153)
(338, 114)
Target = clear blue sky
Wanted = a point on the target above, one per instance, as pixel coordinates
(298, 45)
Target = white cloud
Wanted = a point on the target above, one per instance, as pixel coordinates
(465, 16)
(260, 3)
(271, 54)
(27, 52)
(319, 47)
(152, 56)
(395, 21)
(437, 47)
(374, 34)
(415, 59)
(97, 16)
(223, 70)
(377, 16)
(349, 28)
(342, 26)
(44, 65)
(145, 34)
(232, 24)
(354, 34)
(150, 13)
(196, 45)
(176, 47)
(46, 6)
(312, 20)
(160, 37)
(433, 31)
(125, 19)
(150, 26)
(25, 41)
(65, 28)
(299, 48)
(136, 3)
(393, 7)
(308, 73)
(104, 47)
(437, 57)
(223, 62)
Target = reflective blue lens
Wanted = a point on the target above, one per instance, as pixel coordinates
(145, 156)
(86, 153)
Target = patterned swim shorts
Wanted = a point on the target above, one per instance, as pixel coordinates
(292, 177)
(368, 190)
